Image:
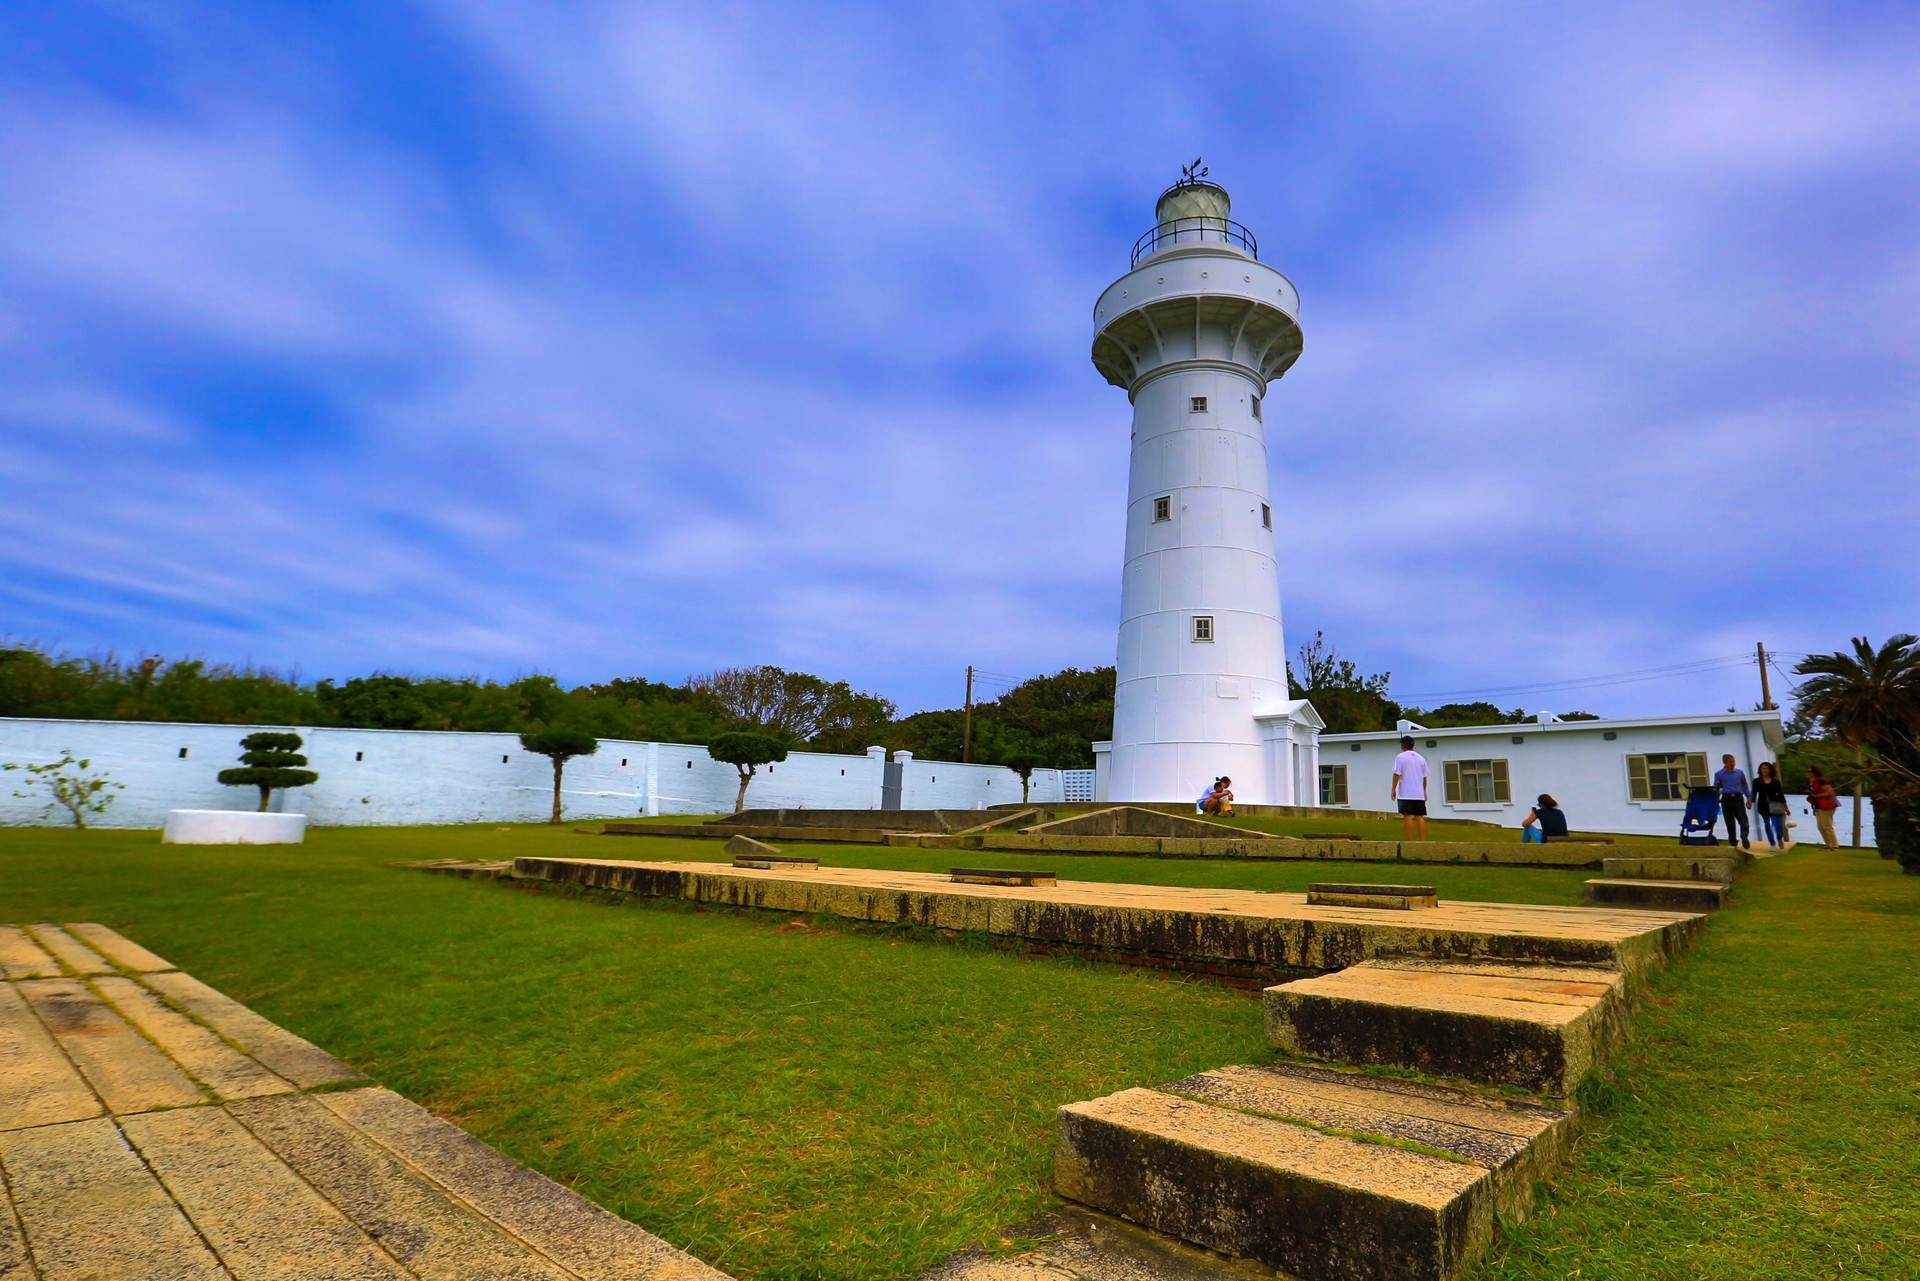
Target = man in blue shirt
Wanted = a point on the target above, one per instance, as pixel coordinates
(1734, 795)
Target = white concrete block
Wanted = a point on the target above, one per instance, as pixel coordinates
(233, 827)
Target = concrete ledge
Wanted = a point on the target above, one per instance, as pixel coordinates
(1400, 897)
(1694, 867)
(1195, 928)
(1515, 853)
(1669, 896)
(1313, 1204)
(1540, 1027)
(233, 827)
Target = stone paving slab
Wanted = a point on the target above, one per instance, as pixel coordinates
(153, 1129)
(224, 1070)
(263, 1219)
(122, 951)
(123, 1067)
(90, 1208)
(298, 1060)
(1280, 931)
(22, 958)
(42, 1087)
(74, 956)
(420, 1225)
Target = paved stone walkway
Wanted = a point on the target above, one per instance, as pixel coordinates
(152, 1129)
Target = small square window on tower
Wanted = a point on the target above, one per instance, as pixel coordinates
(1266, 515)
(1197, 404)
(1163, 508)
(1203, 627)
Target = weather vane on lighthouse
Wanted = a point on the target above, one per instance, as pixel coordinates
(1190, 175)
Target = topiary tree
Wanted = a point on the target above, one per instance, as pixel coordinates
(1023, 760)
(559, 744)
(271, 760)
(746, 750)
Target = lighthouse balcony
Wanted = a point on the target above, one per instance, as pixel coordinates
(1182, 233)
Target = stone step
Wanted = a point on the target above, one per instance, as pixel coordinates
(1541, 1027)
(1328, 1176)
(1665, 896)
(1683, 867)
(1002, 876)
(1345, 894)
(1518, 1141)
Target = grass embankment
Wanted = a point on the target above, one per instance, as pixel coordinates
(817, 1101)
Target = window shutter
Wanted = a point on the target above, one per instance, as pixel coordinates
(1339, 785)
(1453, 782)
(1501, 792)
(1696, 769)
(1637, 788)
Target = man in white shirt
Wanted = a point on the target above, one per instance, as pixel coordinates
(1410, 789)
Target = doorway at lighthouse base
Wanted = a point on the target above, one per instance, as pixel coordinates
(1273, 758)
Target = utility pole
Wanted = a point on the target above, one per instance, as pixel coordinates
(966, 734)
(1766, 690)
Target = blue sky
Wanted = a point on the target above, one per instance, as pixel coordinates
(608, 339)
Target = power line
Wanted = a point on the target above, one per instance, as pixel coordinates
(1696, 667)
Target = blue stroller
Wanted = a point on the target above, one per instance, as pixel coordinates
(1703, 811)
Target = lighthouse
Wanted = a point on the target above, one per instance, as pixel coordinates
(1197, 332)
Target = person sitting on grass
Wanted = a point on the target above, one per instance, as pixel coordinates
(1544, 822)
(1219, 802)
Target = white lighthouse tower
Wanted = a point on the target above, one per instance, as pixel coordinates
(1196, 332)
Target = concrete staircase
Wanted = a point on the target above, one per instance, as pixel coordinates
(1336, 1173)
(1540, 1027)
(1324, 1174)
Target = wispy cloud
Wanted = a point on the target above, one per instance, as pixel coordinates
(621, 338)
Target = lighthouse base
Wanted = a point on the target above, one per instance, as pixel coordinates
(1277, 764)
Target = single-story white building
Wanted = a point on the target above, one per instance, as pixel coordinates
(1628, 775)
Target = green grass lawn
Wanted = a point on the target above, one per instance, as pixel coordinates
(816, 1100)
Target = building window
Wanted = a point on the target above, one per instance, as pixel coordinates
(1197, 404)
(1333, 779)
(1256, 410)
(503, 760)
(1665, 776)
(1481, 782)
(183, 753)
(1718, 730)
(1203, 627)
(1266, 516)
(359, 756)
(623, 762)
(1163, 508)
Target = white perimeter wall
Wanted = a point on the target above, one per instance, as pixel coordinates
(373, 776)
(1578, 766)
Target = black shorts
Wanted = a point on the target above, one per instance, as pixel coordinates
(1414, 807)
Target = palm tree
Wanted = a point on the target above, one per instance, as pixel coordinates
(1869, 698)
